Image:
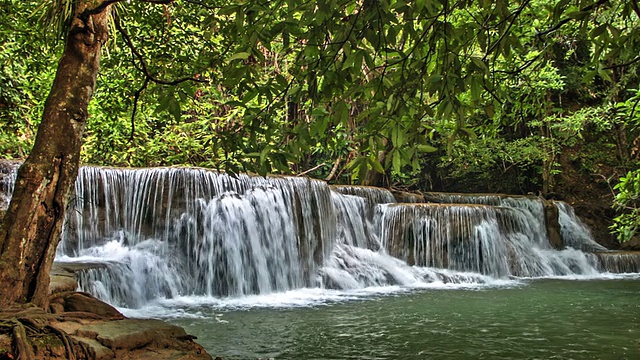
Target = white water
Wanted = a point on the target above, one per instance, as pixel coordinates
(574, 232)
(8, 170)
(494, 241)
(166, 237)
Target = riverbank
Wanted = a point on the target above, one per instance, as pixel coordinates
(79, 326)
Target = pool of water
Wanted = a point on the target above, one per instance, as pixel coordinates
(529, 319)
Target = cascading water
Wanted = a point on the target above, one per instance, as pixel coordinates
(574, 233)
(207, 233)
(496, 241)
(8, 172)
(173, 232)
(620, 262)
(373, 195)
(532, 206)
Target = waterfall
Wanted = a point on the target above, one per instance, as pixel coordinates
(8, 173)
(372, 194)
(496, 241)
(532, 206)
(209, 233)
(148, 234)
(574, 232)
(620, 262)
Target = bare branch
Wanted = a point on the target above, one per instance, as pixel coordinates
(312, 169)
(333, 169)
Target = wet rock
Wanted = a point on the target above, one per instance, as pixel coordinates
(131, 333)
(84, 302)
(407, 197)
(551, 220)
(94, 349)
(62, 282)
(631, 245)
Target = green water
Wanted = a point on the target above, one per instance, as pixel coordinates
(541, 319)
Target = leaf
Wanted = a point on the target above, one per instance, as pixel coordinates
(174, 109)
(397, 162)
(480, 64)
(375, 164)
(239, 56)
(319, 126)
(228, 10)
(319, 112)
(355, 163)
(559, 9)
(578, 15)
(397, 136)
(341, 113)
(426, 148)
(263, 154)
(598, 31)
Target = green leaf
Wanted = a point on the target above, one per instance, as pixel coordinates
(397, 162)
(375, 164)
(397, 136)
(239, 56)
(263, 154)
(598, 31)
(578, 15)
(341, 113)
(426, 148)
(319, 112)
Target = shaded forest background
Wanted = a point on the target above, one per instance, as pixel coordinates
(471, 96)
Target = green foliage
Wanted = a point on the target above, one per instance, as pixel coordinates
(394, 87)
(627, 202)
(25, 78)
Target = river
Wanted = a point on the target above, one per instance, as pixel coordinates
(520, 319)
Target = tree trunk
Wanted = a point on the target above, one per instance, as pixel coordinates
(30, 231)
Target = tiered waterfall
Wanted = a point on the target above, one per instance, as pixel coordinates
(167, 232)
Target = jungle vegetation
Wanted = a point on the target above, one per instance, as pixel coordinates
(447, 95)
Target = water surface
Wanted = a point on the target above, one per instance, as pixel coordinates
(534, 319)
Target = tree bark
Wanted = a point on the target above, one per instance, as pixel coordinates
(30, 231)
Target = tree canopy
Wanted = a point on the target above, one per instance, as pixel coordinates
(371, 91)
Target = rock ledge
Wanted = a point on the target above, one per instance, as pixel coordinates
(79, 326)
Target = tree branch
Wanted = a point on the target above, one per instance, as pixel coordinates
(143, 64)
(515, 16)
(567, 19)
(332, 173)
(136, 97)
(622, 65)
(311, 170)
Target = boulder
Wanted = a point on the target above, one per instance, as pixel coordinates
(84, 302)
(131, 333)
